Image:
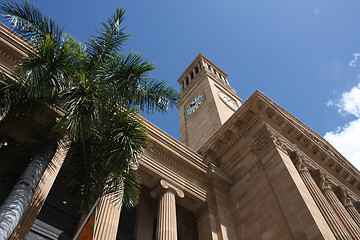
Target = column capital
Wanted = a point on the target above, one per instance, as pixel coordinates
(279, 142)
(345, 198)
(324, 182)
(302, 164)
(165, 186)
(263, 142)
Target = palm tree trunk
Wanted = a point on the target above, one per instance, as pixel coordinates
(18, 200)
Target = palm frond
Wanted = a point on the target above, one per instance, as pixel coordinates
(157, 96)
(109, 40)
(29, 21)
(125, 140)
(47, 72)
(127, 75)
(15, 100)
(82, 103)
(124, 189)
(101, 92)
(85, 173)
(78, 51)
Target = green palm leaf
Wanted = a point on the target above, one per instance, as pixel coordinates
(100, 91)
(29, 22)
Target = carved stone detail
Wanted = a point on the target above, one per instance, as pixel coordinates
(345, 198)
(165, 186)
(324, 182)
(270, 137)
(260, 145)
(279, 143)
(302, 164)
(168, 186)
(167, 227)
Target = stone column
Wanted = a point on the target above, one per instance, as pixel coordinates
(326, 188)
(327, 211)
(40, 194)
(166, 226)
(349, 206)
(107, 219)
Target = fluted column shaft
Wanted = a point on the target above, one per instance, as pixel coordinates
(347, 201)
(339, 208)
(107, 219)
(353, 213)
(167, 228)
(166, 225)
(327, 211)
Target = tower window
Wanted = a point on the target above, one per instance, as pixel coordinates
(192, 75)
(187, 81)
(196, 69)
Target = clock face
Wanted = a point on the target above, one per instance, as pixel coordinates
(195, 104)
(231, 103)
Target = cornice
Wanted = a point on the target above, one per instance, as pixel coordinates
(232, 130)
(14, 42)
(180, 150)
(198, 191)
(297, 134)
(312, 146)
(9, 56)
(300, 131)
(183, 159)
(178, 164)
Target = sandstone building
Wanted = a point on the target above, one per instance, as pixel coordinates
(240, 171)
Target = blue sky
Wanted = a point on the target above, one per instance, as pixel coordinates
(299, 53)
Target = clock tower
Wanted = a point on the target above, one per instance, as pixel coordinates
(206, 101)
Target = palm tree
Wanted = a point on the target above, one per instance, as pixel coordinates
(99, 91)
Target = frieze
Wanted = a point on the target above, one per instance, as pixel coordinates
(9, 56)
(237, 138)
(178, 165)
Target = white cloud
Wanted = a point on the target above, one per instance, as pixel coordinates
(346, 139)
(352, 62)
(349, 102)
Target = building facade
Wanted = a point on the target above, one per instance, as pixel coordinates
(240, 171)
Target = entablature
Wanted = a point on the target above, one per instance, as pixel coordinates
(13, 46)
(260, 109)
(168, 159)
